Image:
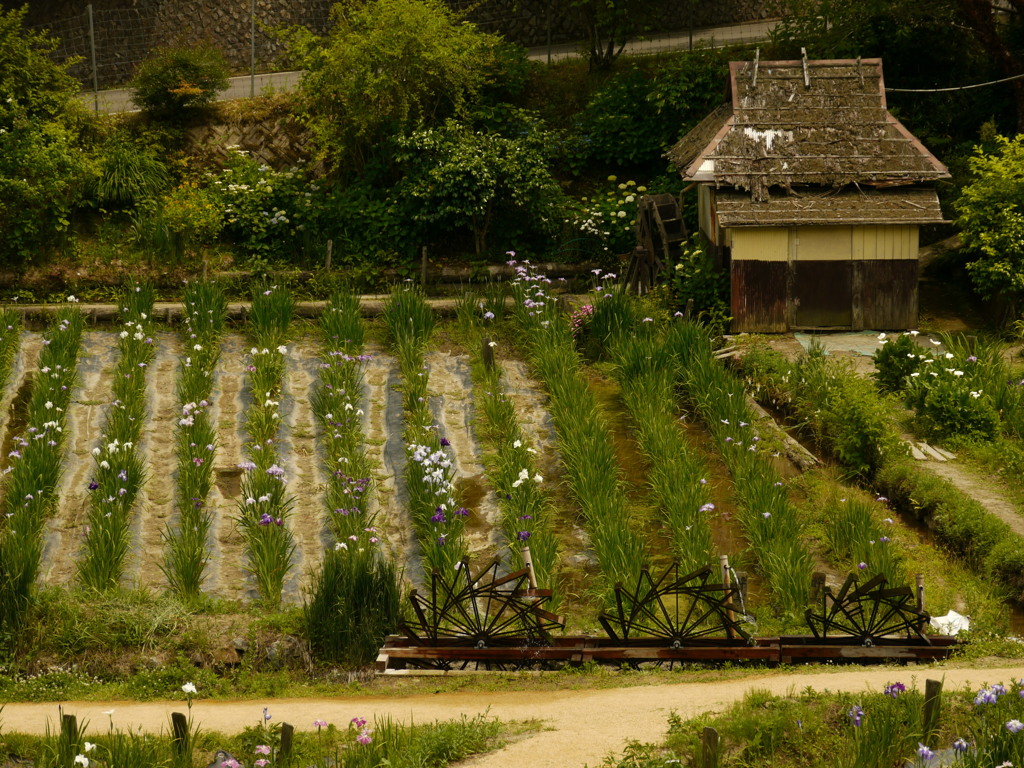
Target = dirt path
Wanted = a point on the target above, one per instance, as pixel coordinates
(227, 577)
(302, 467)
(85, 422)
(382, 428)
(580, 727)
(451, 402)
(154, 509)
(981, 489)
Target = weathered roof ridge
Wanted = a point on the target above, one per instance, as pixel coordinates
(845, 207)
(821, 122)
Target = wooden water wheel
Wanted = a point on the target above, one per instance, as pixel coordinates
(869, 613)
(486, 610)
(660, 232)
(675, 611)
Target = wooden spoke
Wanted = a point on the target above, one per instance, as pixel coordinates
(869, 612)
(485, 610)
(674, 608)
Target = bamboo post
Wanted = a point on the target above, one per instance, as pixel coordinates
(817, 586)
(285, 752)
(741, 585)
(932, 710)
(709, 748)
(423, 267)
(920, 600)
(179, 739)
(327, 258)
(726, 583)
(487, 353)
(528, 563)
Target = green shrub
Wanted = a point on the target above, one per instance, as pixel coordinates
(695, 278)
(895, 361)
(461, 179)
(950, 409)
(176, 83)
(45, 167)
(128, 174)
(636, 116)
(267, 213)
(192, 215)
(353, 603)
(840, 410)
(985, 542)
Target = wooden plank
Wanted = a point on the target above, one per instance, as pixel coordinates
(887, 294)
(759, 296)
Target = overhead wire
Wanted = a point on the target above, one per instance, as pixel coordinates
(955, 88)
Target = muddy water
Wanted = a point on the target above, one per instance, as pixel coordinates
(531, 406)
(303, 467)
(227, 576)
(155, 506)
(15, 396)
(85, 420)
(451, 397)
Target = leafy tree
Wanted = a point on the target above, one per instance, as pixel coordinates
(991, 218)
(43, 170)
(176, 83)
(387, 68)
(610, 24)
(461, 179)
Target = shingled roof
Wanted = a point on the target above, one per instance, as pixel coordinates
(847, 207)
(794, 123)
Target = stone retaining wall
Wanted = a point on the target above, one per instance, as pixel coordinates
(126, 30)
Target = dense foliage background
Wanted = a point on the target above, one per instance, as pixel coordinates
(420, 130)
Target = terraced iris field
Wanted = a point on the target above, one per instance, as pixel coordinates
(206, 461)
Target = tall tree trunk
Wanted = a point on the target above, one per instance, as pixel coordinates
(980, 16)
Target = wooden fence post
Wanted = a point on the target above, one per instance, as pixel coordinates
(327, 258)
(179, 739)
(932, 710)
(285, 753)
(709, 748)
(69, 728)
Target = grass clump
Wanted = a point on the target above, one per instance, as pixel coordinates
(587, 452)
(264, 506)
(438, 517)
(120, 469)
(524, 501)
(31, 486)
(769, 520)
(354, 599)
(185, 545)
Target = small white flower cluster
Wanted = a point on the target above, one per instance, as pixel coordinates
(524, 475)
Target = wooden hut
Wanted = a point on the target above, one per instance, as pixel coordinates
(812, 194)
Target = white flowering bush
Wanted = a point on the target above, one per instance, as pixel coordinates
(608, 217)
(950, 390)
(264, 210)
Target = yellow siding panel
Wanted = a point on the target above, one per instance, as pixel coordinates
(885, 242)
(760, 243)
(824, 243)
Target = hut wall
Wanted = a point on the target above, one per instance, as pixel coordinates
(853, 277)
